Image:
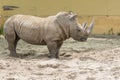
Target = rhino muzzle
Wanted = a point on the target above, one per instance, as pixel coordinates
(83, 39)
(87, 32)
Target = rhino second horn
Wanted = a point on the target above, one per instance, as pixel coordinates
(84, 25)
(91, 27)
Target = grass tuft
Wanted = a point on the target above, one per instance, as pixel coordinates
(1, 30)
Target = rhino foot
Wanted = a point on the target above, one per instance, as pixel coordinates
(14, 55)
(52, 57)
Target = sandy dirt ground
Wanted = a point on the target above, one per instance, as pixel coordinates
(96, 59)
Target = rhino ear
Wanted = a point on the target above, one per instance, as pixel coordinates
(73, 17)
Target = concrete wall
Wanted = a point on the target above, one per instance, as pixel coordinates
(106, 12)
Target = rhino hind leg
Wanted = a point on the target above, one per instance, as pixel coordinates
(12, 40)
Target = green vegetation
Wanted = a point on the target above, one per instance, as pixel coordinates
(1, 30)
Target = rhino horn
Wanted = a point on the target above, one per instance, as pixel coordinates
(84, 25)
(91, 27)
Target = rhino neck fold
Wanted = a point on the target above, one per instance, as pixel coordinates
(65, 30)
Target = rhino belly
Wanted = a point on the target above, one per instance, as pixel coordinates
(31, 36)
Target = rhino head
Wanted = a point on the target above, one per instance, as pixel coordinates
(77, 31)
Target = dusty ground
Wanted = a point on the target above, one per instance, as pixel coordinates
(96, 59)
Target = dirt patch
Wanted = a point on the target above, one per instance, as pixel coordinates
(96, 59)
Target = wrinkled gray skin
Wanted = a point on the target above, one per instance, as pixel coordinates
(50, 31)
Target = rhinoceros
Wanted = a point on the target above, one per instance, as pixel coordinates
(50, 31)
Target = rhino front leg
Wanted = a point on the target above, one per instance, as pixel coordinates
(52, 47)
(58, 48)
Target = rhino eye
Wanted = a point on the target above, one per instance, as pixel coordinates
(78, 30)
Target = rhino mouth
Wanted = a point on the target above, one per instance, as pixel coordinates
(83, 39)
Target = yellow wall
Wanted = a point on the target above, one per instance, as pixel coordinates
(48, 7)
(102, 10)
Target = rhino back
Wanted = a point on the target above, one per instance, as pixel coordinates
(35, 30)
